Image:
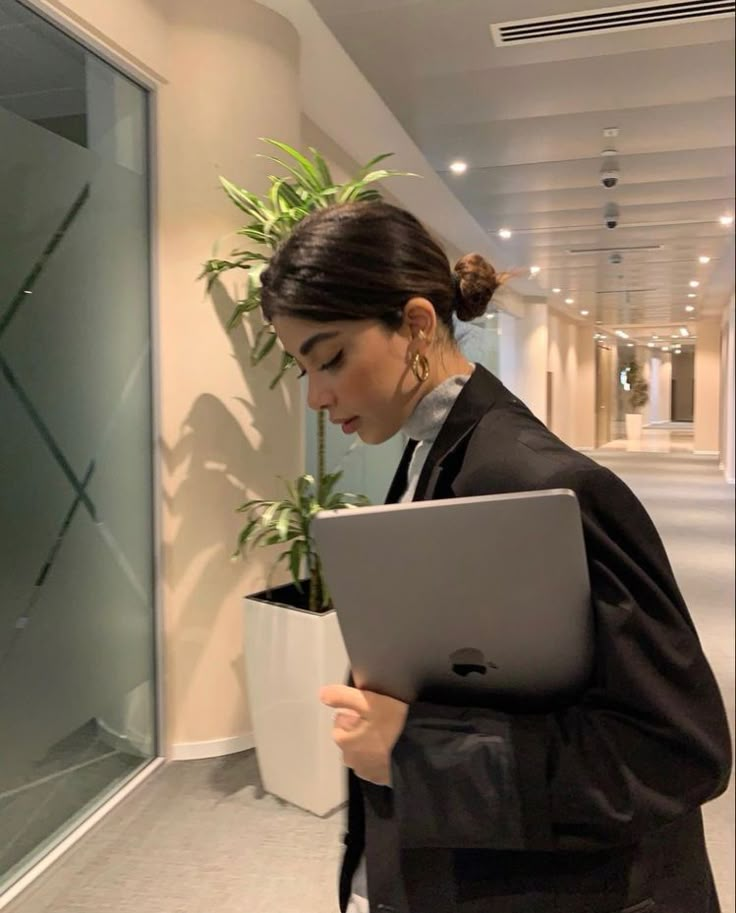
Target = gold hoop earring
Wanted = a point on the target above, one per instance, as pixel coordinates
(420, 367)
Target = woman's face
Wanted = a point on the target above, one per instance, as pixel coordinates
(358, 371)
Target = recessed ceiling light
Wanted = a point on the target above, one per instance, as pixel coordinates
(675, 336)
(655, 337)
(535, 270)
(622, 334)
(684, 331)
(556, 291)
(629, 345)
(651, 345)
(458, 167)
(726, 220)
(694, 283)
(692, 295)
(665, 348)
(689, 308)
(505, 233)
(585, 313)
(569, 301)
(704, 260)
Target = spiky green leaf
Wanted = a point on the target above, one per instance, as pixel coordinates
(322, 168)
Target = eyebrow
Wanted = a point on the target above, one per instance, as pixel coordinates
(306, 347)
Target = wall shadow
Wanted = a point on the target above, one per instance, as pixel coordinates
(224, 453)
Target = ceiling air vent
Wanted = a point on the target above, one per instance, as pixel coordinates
(612, 19)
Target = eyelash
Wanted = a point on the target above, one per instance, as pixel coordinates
(333, 362)
(329, 365)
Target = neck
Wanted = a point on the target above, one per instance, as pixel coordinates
(448, 362)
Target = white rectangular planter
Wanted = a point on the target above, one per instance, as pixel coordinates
(289, 655)
(634, 423)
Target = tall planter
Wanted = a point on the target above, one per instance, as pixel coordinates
(634, 422)
(289, 654)
(637, 399)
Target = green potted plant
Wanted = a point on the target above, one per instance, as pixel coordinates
(292, 639)
(637, 398)
(289, 521)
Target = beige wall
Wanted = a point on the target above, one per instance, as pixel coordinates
(533, 344)
(584, 392)
(562, 364)
(707, 386)
(223, 74)
(224, 434)
(571, 361)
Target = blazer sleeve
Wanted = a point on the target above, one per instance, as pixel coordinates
(645, 743)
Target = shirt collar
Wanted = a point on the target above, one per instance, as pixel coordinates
(425, 422)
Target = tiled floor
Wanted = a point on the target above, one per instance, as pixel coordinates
(665, 437)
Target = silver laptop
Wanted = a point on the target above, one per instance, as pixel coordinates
(466, 600)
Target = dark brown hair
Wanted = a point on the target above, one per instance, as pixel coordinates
(358, 261)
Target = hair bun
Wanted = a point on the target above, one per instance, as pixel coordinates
(475, 282)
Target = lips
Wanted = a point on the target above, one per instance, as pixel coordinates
(348, 425)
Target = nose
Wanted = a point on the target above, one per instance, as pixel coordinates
(319, 394)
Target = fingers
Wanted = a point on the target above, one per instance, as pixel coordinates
(341, 697)
(346, 720)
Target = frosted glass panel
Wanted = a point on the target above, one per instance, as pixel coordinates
(77, 714)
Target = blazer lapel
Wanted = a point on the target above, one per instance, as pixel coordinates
(477, 397)
(401, 476)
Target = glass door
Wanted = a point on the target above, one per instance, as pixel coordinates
(77, 707)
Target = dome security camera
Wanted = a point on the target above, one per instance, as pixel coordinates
(610, 176)
(611, 216)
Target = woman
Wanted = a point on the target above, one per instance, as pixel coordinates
(592, 808)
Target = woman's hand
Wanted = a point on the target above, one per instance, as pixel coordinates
(366, 728)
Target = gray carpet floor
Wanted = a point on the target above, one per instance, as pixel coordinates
(200, 837)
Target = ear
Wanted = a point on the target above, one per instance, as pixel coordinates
(420, 322)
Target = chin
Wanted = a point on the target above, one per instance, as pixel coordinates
(374, 436)
(367, 437)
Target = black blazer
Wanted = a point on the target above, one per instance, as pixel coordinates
(593, 807)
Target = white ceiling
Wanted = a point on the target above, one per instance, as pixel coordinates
(529, 122)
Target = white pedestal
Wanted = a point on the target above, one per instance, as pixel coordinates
(289, 655)
(634, 424)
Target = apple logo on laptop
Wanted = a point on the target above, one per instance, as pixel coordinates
(468, 661)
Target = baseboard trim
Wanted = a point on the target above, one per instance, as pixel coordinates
(27, 879)
(707, 452)
(214, 748)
